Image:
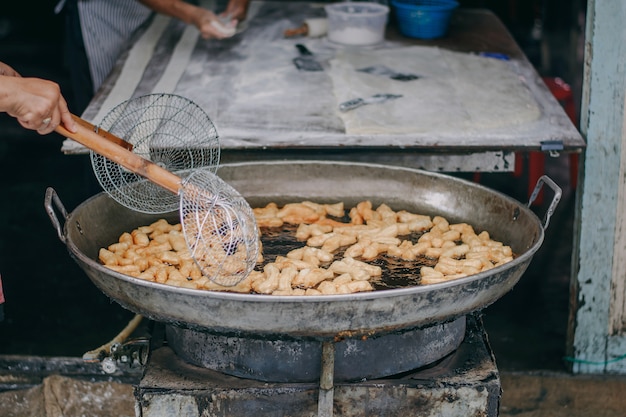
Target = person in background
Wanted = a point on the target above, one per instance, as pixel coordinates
(97, 31)
(37, 104)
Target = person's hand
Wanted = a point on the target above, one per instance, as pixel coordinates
(37, 104)
(210, 26)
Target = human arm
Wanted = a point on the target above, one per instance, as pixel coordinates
(7, 70)
(236, 9)
(205, 20)
(37, 104)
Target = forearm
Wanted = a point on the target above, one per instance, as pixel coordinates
(8, 92)
(178, 9)
(237, 9)
(7, 87)
(7, 70)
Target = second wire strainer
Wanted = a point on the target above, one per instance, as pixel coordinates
(166, 129)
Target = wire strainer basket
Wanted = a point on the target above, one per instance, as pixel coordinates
(219, 227)
(166, 129)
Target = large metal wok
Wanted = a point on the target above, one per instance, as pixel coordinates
(100, 220)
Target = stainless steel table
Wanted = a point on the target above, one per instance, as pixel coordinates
(299, 119)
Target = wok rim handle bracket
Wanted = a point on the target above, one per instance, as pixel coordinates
(53, 198)
(544, 179)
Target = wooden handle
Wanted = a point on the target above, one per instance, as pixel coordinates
(108, 136)
(300, 31)
(122, 156)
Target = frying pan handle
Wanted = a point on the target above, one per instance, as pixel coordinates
(50, 199)
(555, 200)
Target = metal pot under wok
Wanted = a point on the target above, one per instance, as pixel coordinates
(100, 220)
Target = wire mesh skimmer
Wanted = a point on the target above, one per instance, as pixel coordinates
(218, 223)
(166, 129)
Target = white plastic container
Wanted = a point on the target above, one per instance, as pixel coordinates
(356, 23)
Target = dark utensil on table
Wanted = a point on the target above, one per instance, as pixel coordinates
(388, 72)
(306, 62)
(358, 102)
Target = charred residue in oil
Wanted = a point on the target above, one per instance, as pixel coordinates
(396, 272)
(399, 273)
(278, 241)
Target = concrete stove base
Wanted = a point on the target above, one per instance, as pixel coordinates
(464, 383)
(280, 360)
